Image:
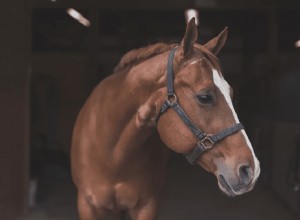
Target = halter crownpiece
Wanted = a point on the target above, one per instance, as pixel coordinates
(205, 141)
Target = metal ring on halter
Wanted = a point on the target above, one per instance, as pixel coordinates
(170, 97)
(206, 142)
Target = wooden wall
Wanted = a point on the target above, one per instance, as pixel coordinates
(14, 110)
(61, 84)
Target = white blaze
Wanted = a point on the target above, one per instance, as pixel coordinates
(224, 87)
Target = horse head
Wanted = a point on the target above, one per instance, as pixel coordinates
(205, 98)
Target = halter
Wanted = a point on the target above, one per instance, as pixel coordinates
(205, 141)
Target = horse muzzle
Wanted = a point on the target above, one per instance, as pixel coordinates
(239, 182)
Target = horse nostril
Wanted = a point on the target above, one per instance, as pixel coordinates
(245, 174)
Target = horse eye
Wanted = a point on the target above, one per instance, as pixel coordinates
(205, 99)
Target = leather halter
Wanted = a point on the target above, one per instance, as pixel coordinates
(205, 141)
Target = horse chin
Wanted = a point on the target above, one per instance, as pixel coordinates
(228, 189)
(225, 187)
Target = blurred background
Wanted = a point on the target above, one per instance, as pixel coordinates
(53, 52)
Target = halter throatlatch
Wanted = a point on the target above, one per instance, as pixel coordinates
(205, 141)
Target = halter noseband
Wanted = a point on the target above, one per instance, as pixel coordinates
(205, 141)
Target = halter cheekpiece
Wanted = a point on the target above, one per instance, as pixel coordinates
(205, 141)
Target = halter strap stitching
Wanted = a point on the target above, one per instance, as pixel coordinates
(170, 75)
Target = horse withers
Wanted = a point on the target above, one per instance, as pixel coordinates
(164, 96)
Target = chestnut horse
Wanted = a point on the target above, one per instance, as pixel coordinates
(118, 147)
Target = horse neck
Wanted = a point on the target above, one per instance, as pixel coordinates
(141, 87)
(142, 81)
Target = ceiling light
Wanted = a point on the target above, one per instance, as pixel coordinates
(191, 13)
(79, 17)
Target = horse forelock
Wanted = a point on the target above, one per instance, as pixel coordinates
(213, 60)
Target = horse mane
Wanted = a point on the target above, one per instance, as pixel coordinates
(139, 55)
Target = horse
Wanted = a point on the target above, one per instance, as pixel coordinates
(160, 98)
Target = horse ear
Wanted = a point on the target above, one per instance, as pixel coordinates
(216, 44)
(190, 37)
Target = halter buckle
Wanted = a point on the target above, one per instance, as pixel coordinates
(206, 142)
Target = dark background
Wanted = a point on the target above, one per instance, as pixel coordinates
(49, 63)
